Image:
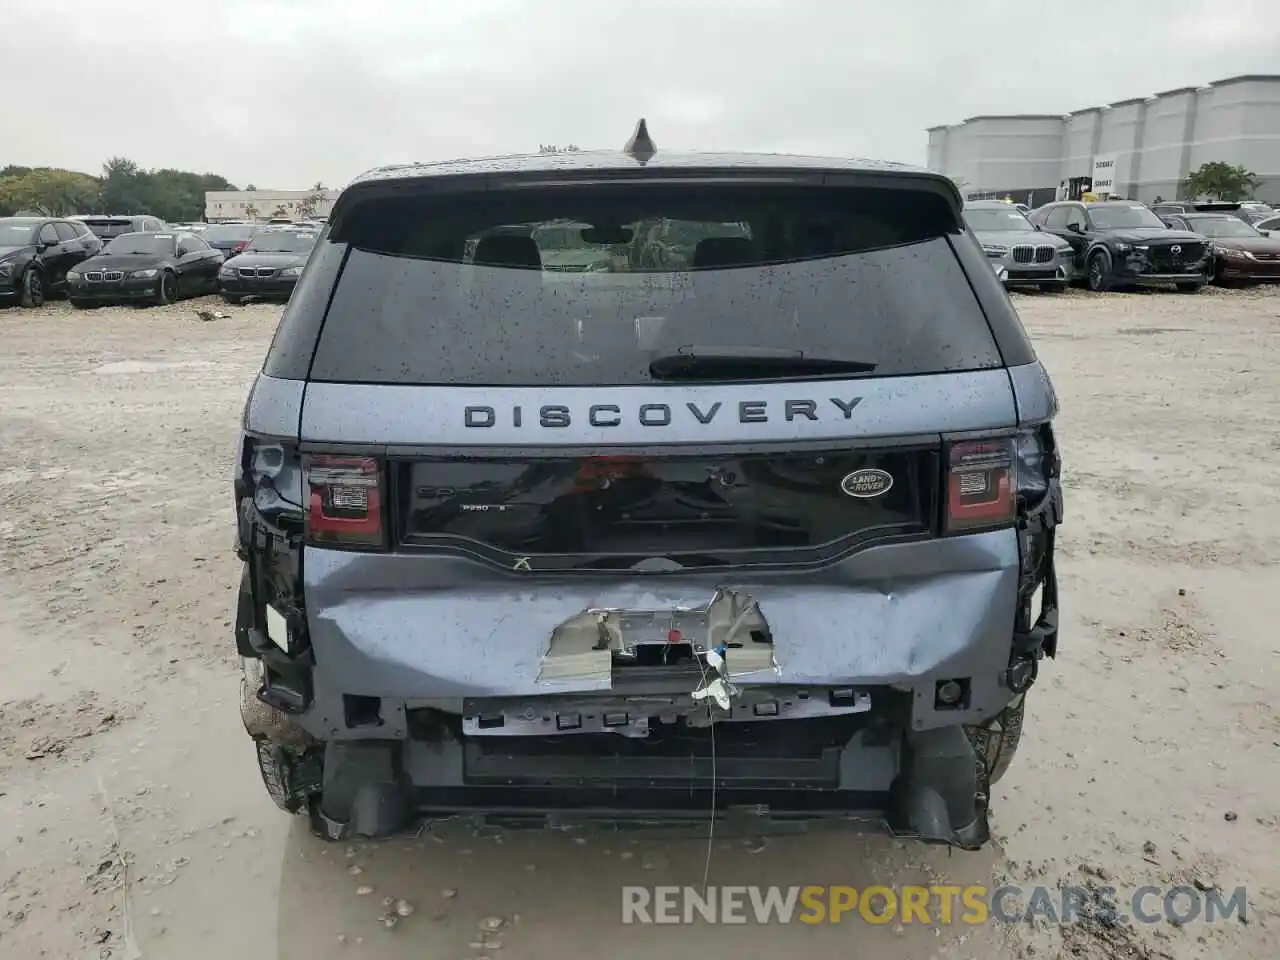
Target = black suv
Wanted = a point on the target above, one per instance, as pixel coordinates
(109, 226)
(35, 255)
(768, 523)
(1121, 243)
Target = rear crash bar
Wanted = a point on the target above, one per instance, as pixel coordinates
(631, 717)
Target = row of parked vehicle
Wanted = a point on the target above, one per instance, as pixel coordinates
(1124, 244)
(95, 260)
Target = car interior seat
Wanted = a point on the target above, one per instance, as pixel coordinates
(508, 251)
(723, 252)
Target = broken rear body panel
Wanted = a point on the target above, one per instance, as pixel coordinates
(571, 583)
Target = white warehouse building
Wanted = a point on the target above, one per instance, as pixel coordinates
(1147, 145)
(262, 204)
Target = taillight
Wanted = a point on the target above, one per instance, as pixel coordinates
(980, 484)
(344, 501)
(239, 247)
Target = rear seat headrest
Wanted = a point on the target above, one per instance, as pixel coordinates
(505, 250)
(723, 252)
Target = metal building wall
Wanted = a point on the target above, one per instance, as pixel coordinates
(1157, 141)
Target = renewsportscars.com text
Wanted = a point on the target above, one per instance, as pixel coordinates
(937, 905)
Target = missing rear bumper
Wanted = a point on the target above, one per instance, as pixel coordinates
(855, 770)
(636, 716)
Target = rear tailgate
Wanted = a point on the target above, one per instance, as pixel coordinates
(530, 466)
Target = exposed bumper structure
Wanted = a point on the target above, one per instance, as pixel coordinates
(460, 692)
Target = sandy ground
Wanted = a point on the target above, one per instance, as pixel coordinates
(133, 823)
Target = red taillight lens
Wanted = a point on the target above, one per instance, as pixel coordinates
(344, 501)
(980, 484)
(239, 247)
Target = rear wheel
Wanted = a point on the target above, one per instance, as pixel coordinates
(996, 741)
(32, 288)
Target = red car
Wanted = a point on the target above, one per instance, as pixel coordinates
(1240, 253)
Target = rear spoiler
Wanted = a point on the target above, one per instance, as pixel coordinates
(387, 188)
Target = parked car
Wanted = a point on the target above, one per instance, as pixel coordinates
(230, 238)
(1249, 212)
(35, 255)
(107, 227)
(1269, 226)
(1256, 210)
(1120, 244)
(1241, 254)
(269, 267)
(154, 268)
(1020, 253)
(490, 567)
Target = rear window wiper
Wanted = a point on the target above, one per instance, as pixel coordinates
(712, 362)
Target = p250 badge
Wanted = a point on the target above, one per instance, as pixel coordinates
(866, 483)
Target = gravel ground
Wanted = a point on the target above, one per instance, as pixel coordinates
(132, 822)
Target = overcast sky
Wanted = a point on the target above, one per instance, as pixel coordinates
(282, 93)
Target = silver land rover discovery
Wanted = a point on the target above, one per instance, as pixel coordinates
(761, 516)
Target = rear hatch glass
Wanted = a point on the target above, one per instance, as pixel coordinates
(587, 287)
(106, 228)
(660, 286)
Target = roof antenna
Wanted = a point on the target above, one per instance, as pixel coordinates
(641, 145)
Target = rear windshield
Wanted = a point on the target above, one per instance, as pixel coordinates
(588, 285)
(109, 228)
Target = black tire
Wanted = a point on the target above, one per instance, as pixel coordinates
(276, 767)
(167, 291)
(32, 295)
(996, 741)
(1189, 287)
(1099, 272)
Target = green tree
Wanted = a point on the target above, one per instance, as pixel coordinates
(173, 195)
(54, 193)
(1218, 180)
(310, 205)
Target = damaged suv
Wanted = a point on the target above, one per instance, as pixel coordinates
(763, 526)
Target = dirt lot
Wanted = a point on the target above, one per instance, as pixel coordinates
(132, 822)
